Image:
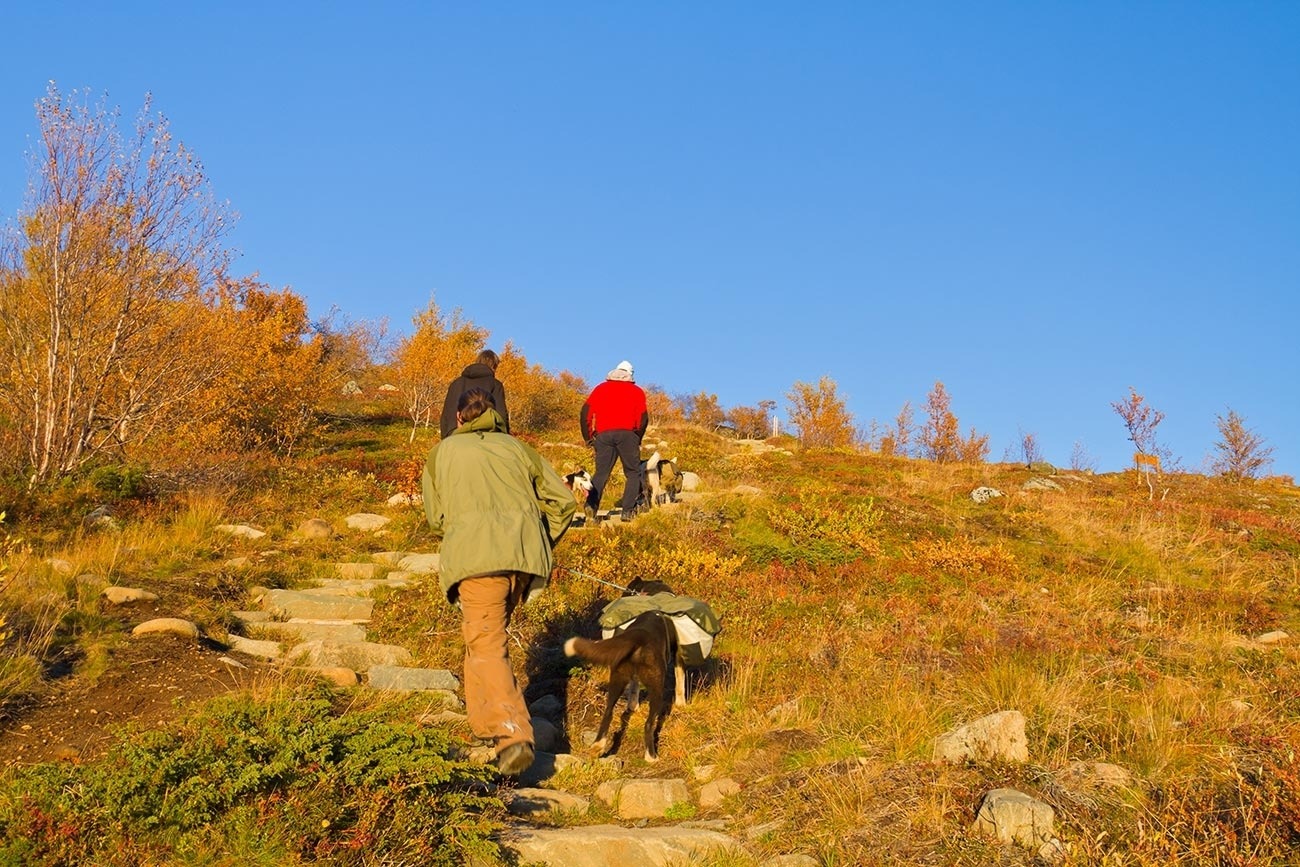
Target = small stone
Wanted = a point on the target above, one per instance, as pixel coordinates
(126, 595)
(169, 625)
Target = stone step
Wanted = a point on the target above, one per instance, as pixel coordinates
(614, 846)
(297, 630)
(359, 656)
(360, 587)
(307, 605)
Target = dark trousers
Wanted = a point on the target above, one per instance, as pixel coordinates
(626, 446)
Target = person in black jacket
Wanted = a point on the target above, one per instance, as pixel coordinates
(480, 374)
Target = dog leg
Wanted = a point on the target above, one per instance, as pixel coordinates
(617, 683)
(654, 719)
(679, 685)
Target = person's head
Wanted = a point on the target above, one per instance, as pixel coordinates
(489, 358)
(472, 404)
(625, 366)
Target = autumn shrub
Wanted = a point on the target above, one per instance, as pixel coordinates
(1242, 812)
(962, 557)
(290, 777)
(811, 527)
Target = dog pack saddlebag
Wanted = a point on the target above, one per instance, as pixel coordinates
(695, 622)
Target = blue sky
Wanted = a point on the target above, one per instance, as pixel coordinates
(1039, 204)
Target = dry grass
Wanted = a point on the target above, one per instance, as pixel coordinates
(868, 606)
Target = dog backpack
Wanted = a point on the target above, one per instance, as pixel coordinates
(695, 622)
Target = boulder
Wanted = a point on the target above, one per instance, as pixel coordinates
(998, 736)
(643, 798)
(366, 521)
(612, 846)
(1014, 817)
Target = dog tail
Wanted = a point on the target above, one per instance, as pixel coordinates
(609, 651)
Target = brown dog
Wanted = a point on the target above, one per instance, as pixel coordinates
(641, 653)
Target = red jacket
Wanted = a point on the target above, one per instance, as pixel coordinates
(615, 405)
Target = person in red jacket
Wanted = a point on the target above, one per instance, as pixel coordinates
(614, 419)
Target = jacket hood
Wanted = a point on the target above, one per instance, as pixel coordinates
(477, 370)
(488, 422)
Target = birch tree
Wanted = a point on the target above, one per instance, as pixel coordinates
(118, 242)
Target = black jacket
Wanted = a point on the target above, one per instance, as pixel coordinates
(475, 376)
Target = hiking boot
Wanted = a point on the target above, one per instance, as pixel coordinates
(515, 759)
(627, 515)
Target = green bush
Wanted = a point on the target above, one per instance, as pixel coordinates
(289, 780)
(120, 482)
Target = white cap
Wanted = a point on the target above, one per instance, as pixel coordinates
(625, 365)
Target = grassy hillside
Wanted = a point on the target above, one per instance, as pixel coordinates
(869, 605)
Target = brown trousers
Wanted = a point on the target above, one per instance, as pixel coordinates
(493, 700)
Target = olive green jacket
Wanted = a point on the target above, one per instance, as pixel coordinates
(497, 505)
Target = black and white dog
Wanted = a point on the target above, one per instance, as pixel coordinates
(580, 483)
(661, 482)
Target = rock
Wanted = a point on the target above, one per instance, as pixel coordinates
(546, 765)
(791, 861)
(388, 558)
(403, 679)
(240, 530)
(643, 798)
(63, 567)
(405, 499)
(690, 481)
(548, 706)
(360, 586)
(999, 736)
(298, 631)
(984, 494)
(358, 656)
(358, 571)
(546, 736)
(420, 564)
(1275, 637)
(1043, 468)
(544, 802)
(102, 519)
(127, 595)
(237, 562)
(336, 675)
(714, 793)
(289, 604)
(315, 528)
(612, 846)
(746, 490)
(251, 647)
(167, 625)
(1037, 484)
(1014, 817)
(1094, 775)
(366, 521)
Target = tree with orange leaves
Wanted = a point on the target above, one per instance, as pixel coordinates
(104, 287)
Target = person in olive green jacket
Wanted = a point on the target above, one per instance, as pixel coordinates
(500, 509)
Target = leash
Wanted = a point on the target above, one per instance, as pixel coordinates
(594, 578)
